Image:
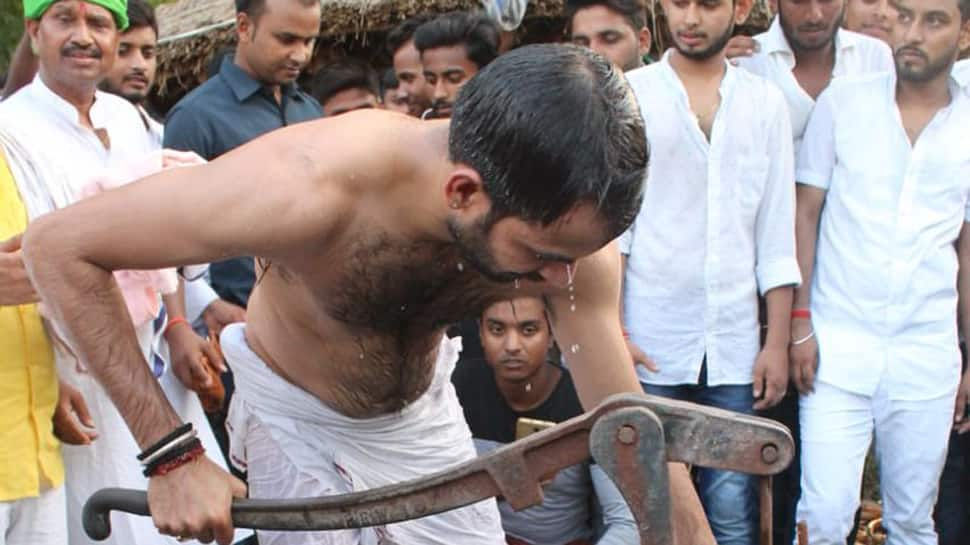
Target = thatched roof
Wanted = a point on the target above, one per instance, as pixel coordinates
(191, 31)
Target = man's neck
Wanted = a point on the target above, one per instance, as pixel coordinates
(525, 395)
(934, 93)
(822, 57)
(695, 69)
(80, 96)
(240, 61)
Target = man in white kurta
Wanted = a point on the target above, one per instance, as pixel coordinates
(51, 125)
(883, 298)
(716, 225)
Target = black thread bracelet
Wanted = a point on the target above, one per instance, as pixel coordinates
(171, 455)
(181, 430)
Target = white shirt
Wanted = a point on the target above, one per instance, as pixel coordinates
(855, 54)
(717, 223)
(884, 295)
(51, 124)
(961, 72)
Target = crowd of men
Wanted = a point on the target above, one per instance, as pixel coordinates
(796, 246)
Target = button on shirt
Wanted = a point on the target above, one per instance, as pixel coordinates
(884, 295)
(225, 112)
(717, 224)
(854, 54)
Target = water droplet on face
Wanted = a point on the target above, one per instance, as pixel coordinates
(461, 266)
(516, 283)
(361, 355)
(572, 307)
(569, 275)
(574, 348)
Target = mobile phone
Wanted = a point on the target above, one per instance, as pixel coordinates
(525, 427)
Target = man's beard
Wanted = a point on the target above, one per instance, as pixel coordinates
(472, 243)
(135, 98)
(714, 49)
(929, 71)
(796, 44)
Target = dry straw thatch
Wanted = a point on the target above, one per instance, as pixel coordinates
(192, 31)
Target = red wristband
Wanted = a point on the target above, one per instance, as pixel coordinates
(626, 334)
(801, 313)
(177, 462)
(173, 322)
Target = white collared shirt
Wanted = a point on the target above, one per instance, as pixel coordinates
(961, 72)
(855, 54)
(717, 223)
(51, 124)
(884, 295)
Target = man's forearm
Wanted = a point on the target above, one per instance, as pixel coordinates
(778, 304)
(807, 213)
(86, 301)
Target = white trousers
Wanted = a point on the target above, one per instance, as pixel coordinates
(911, 440)
(35, 521)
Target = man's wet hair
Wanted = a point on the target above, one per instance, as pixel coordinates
(633, 11)
(402, 33)
(342, 75)
(964, 10)
(141, 14)
(479, 34)
(389, 81)
(549, 127)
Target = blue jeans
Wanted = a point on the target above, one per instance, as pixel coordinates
(729, 498)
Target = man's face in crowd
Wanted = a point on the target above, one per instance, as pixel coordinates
(700, 28)
(410, 77)
(75, 42)
(134, 68)
(869, 17)
(348, 100)
(516, 338)
(278, 42)
(810, 24)
(396, 101)
(610, 34)
(926, 36)
(446, 69)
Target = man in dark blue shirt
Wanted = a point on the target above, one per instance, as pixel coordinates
(254, 92)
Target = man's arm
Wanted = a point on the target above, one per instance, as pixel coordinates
(592, 341)
(71, 253)
(961, 422)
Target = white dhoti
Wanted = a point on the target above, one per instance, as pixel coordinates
(293, 446)
(911, 442)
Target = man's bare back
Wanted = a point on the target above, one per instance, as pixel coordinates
(375, 232)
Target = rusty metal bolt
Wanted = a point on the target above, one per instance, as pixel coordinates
(627, 435)
(769, 454)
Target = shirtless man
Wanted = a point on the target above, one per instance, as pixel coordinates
(364, 264)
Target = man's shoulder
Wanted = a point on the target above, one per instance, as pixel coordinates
(961, 72)
(644, 75)
(868, 46)
(200, 101)
(866, 86)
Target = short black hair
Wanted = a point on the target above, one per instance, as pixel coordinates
(342, 75)
(389, 81)
(964, 10)
(402, 33)
(634, 11)
(479, 34)
(255, 8)
(141, 14)
(548, 127)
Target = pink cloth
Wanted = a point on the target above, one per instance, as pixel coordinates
(142, 289)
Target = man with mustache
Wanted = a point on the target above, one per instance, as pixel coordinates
(516, 382)
(616, 29)
(883, 229)
(454, 47)
(716, 226)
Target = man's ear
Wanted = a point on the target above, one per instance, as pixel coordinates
(964, 42)
(644, 38)
(465, 189)
(742, 9)
(245, 26)
(32, 28)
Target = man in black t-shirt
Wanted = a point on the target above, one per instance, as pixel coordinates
(516, 389)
